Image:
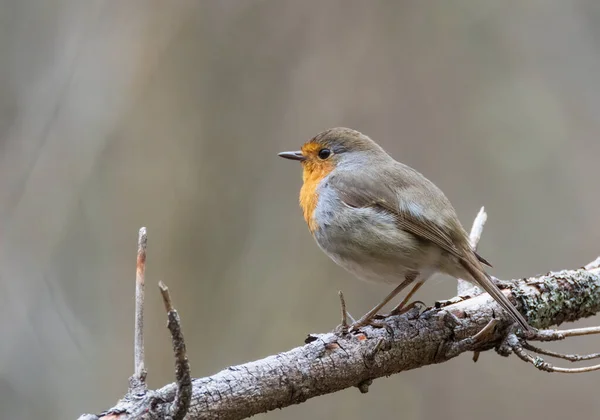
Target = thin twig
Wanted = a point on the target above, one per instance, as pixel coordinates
(344, 313)
(540, 363)
(556, 335)
(139, 377)
(183, 377)
(564, 356)
(166, 296)
(578, 332)
(593, 265)
(477, 228)
(486, 331)
(474, 237)
(484, 335)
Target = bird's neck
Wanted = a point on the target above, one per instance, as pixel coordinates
(309, 195)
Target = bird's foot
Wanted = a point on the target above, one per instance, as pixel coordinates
(402, 309)
(364, 321)
(377, 320)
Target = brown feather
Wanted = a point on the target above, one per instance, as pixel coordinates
(474, 268)
(482, 260)
(434, 220)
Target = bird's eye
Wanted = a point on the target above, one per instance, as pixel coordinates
(324, 153)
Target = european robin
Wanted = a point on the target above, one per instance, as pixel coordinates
(382, 220)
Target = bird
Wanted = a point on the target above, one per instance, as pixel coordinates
(383, 221)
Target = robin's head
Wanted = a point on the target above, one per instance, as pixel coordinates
(321, 154)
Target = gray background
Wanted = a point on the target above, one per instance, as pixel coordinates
(115, 115)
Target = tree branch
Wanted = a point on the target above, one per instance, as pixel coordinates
(331, 362)
(334, 361)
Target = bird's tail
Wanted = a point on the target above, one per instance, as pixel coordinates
(484, 280)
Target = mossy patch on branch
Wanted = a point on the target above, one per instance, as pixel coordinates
(559, 297)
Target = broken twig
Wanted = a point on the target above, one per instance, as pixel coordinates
(183, 378)
(138, 380)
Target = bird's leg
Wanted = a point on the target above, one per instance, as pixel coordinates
(401, 308)
(367, 319)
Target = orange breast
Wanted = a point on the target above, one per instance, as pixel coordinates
(309, 197)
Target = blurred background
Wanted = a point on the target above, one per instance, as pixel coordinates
(116, 115)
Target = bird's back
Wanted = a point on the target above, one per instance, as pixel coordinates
(402, 191)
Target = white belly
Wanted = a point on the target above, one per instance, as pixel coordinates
(369, 245)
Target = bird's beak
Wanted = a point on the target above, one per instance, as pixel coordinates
(292, 155)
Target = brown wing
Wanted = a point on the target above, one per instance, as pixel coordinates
(427, 214)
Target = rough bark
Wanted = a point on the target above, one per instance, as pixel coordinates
(331, 362)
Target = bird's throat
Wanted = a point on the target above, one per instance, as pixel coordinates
(309, 197)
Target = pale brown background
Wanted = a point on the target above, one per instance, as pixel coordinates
(118, 114)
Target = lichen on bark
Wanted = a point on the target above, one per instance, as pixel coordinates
(559, 297)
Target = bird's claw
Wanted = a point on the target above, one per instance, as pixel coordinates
(407, 308)
(376, 321)
(363, 323)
